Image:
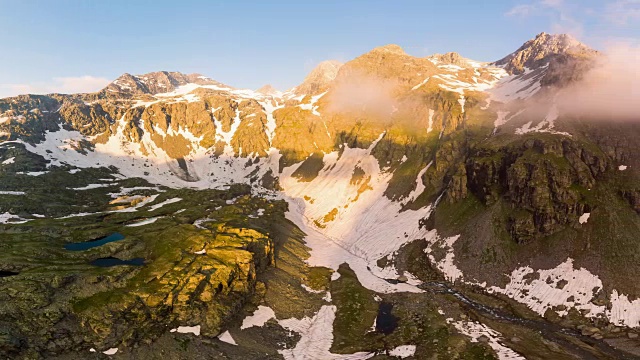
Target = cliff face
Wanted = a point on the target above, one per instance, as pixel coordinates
(543, 179)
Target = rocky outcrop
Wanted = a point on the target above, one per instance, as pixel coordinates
(183, 289)
(55, 301)
(633, 197)
(450, 58)
(542, 180)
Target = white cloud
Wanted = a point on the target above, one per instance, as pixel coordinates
(561, 14)
(65, 85)
(552, 3)
(535, 7)
(521, 10)
(622, 12)
(608, 91)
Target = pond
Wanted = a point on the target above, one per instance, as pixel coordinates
(111, 261)
(386, 322)
(86, 245)
(4, 273)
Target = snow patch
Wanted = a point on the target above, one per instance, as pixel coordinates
(187, 329)
(258, 318)
(403, 351)
(4, 192)
(316, 338)
(10, 160)
(8, 218)
(584, 218)
(226, 337)
(145, 221)
(91, 186)
(166, 202)
(111, 351)
(476, 330)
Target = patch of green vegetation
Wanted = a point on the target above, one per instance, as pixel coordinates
(125, 303)
(319, 277)
(450, 217)
(284, 291)
(355, 314)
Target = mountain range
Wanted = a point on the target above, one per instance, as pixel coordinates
(466, 209)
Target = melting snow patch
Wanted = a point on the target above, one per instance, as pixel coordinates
(311, 290)
(258, 318)
(111, 351)
(420, 85)
(8, 218)
(226, 337)
(446, 264)
(584, 218)
(476, 330)
(622, 167)
(91, 186)
(187, 329)
(145, 221)
(166, 202)
(515, 87)
(198, 223)
(562, 285)
(35, 173)
(403, 351)
(316, 337)
(12, 192)
(10, 160)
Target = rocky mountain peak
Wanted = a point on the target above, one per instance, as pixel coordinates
(155, 82)
(541, 50)
(268, 90)
(320, 77)
(391, 48)
(451, 58)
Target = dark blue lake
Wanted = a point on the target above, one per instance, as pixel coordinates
(94, 243)
(4, 273)
(386, 322)
(111, 261)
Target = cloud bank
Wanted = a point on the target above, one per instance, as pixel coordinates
(64, 85)
(610, 90)
(366, 94)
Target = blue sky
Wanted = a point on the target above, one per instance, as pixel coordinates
(79, 45)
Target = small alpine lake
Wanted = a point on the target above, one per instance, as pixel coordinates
(86, 245)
